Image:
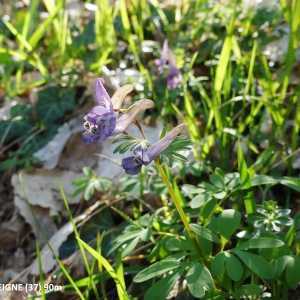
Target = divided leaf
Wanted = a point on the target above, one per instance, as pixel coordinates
(199, 280)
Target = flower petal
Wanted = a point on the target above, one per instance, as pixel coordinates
(131, 166)
(89, 138)
(162, 60)
(119, 96)
(102, 96)
(157, 148)
(126, 119)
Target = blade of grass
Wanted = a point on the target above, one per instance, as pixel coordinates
(64, 270)
(38, 253)
(75, 232)
(294, 39)
(100, 266)
(27, 46)
(26, 28)
(121, 292)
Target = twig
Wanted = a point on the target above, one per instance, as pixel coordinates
(284, 159)
(132, 137)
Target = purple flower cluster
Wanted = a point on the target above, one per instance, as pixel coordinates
(174, 77)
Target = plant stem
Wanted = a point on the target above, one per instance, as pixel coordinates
(132, 137)
(178, 206)
(136, 122)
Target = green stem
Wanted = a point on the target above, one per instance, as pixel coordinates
(178, 206)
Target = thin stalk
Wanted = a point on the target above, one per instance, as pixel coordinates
(178, 206)
(136, 122)
(132, 137)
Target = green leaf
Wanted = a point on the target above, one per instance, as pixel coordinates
(89, 191)
(205, 233)
(15, 127)
(220, 195)
(53, 104)
(145, 220)
(228, 222)
(233, 267)
(274, 253)
(161, 289)
(219, 172)
(217, 263)
(293, 271)
(177, 245)
(263, 180)
(279, 266)
(131, 232)
(248, 289)
(8, 164)
(78, 191)
(80, 181)
(156, 269)
(177, 256)
(199, 280)
(130, 247)
(243, 170)
(199, 200)
(261, 242)
(146, 234)
(170, 154)
(257, 264)
(217, 181)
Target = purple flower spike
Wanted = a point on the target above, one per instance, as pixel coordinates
(174, 77)
(160, 62)
(133, 164)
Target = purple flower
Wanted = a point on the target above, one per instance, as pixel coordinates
(174, 77)
(102, 122)
(133, 164)
(160, 62)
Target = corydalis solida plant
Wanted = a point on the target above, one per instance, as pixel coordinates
(102, 122)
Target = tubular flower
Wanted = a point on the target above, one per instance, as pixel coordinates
(133, 164)
(101, 121)
(124, 121)
(160, 62)
(174, 77)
